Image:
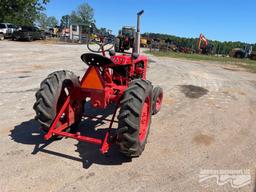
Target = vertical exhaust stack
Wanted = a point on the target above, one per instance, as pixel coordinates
(137, 37)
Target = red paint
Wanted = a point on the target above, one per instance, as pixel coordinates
(144, 119)
(159, 100)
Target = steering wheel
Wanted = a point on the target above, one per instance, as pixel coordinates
(100, 44)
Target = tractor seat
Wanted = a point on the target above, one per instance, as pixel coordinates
(93, 59)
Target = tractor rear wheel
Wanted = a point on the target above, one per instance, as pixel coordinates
(135, 118)
(51, 96)
(157, 99)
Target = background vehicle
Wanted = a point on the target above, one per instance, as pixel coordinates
(6, 29)
(28, 33)
(204, 48)
(125, 39)
(144, 42)
(246, 52)
(1, 36)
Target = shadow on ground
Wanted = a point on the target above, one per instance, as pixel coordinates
(29, 133)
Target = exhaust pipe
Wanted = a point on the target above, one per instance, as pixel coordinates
(137, 36)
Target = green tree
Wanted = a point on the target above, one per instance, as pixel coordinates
(218, 46)
(84, 14)
(51, 21)
(65, 21)
(21, 12)
(74, 18)
(41, 21)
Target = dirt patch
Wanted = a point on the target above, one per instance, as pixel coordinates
(253, 83)
(15, 152)
(5, 130)
(21, 71)
(23, 76)
(231, 69)
(53, 41)
(22, 91)
(90, 175)
(230, 91)
(212, 103)
(203, 139)
(37, 66)
(151, 61)
(192, 91)
(168, 100)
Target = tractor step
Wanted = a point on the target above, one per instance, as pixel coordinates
(78, 137)
(105, 143)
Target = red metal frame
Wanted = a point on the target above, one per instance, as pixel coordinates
(144, 119)
(59, 130)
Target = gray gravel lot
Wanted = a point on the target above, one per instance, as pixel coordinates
(207, 121)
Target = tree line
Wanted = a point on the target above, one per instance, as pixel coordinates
(21, 12)
(31, 12)
(218, 46)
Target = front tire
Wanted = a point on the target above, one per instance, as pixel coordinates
(135, 118)
(157, 99)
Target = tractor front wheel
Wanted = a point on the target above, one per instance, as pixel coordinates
(157, 99)
(51, 96)
(135, 118)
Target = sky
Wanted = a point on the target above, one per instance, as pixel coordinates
(223, 20)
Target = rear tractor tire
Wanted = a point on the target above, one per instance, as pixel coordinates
(135, 118)
(52, 95)
(157, 99)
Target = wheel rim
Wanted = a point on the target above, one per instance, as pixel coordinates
(144, 119)
(159, 101)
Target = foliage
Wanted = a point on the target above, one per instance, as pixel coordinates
(247, 63)
(41, 21)
(84, 15)
(221, 48)
(65, 21)
(44, 22)
(21, 12)
(52, 22)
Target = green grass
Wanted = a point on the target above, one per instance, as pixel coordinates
(246, 63)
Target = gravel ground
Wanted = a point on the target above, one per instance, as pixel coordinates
(207, 122)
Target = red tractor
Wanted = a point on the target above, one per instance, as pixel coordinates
(119, 80)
